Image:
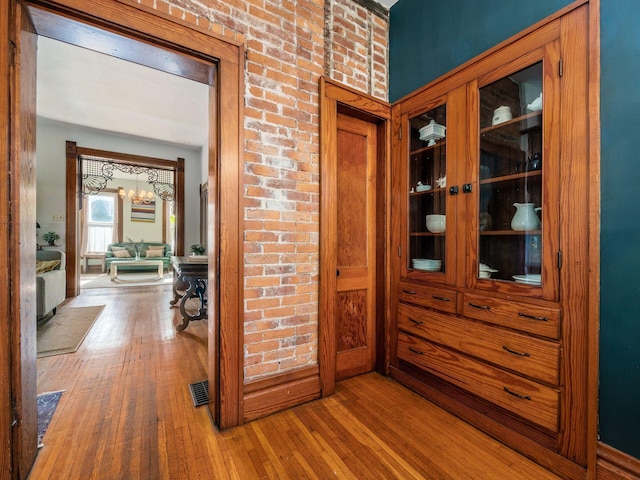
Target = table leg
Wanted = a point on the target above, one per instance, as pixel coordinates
(196, 288)
(176, 295)
(114, 272)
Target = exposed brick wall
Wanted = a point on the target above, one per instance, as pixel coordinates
(286, 53)
(356, 44)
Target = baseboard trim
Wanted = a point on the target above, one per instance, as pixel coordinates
(264, 397)
(613, 464)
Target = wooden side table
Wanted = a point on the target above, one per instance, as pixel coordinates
(97, 256)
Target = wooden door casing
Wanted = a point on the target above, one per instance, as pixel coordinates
(50, 17)
(336, 98)
(22, 245)
(355, 246)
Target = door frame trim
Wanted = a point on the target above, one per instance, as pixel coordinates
(335, 97)
(225, 204)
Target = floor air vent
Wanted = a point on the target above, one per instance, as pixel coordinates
(200, 393)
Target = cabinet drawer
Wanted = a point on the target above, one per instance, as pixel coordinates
(437, 298)
(533, 357)
(523, 316)
(526, 398)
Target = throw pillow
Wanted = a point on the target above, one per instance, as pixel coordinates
(155, 247)
(115, 249)
(43, 266)
(155, 253)
(122, 253)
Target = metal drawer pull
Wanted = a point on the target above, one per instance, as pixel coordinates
(411, 349)
(442, 299)
(417, 322)
(520, 354)
(523, 397)
(410, 292)
(481, 307)
(533, 317)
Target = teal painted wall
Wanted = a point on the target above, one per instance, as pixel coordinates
(620, 224)
(428, 39)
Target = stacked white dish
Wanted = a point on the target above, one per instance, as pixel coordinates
(529, 279)
(432, 132)
(427, 264)
(485, 271)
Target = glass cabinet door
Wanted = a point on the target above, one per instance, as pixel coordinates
(427, 198)
(511, 187)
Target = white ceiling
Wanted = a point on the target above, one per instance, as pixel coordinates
(82, 87)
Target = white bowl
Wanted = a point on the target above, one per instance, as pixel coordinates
(436, 223)
(486, 268)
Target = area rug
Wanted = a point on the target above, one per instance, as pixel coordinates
(65, 331)
(126, 280)
(47, 404)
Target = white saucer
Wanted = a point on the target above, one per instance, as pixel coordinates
(530, 279)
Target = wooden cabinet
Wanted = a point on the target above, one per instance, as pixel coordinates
(489, 318)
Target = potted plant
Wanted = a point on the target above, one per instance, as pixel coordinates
(137, 246)
(51, 237)
(198, 249)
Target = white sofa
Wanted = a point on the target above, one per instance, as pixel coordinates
(51, 286)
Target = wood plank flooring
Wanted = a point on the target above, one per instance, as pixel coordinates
(127, 414)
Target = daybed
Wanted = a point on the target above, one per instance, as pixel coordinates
(51, 281)
(126, 251)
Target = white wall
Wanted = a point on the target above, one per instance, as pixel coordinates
(51, 163)
(148, 231)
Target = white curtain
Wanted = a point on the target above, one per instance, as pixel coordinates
(116, 218)
(84, 226)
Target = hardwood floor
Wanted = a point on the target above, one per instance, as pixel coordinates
(127, 414)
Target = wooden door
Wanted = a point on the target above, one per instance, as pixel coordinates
(355, 246)
(22, 244)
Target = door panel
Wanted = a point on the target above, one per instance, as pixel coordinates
(355, 246)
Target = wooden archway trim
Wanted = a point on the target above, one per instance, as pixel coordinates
(153, 28)
(74, 201)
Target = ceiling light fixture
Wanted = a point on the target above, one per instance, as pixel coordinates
(136, 197)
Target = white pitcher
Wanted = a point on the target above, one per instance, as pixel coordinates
(525, 217)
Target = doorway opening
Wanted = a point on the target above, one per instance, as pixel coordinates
(134, 33)
(160, 216)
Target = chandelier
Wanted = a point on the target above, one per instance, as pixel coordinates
(137, 197)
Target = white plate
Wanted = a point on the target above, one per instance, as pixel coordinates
(485, 268)
(427, 269)
(531, 279)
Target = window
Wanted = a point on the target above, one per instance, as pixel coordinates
(100, 222)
